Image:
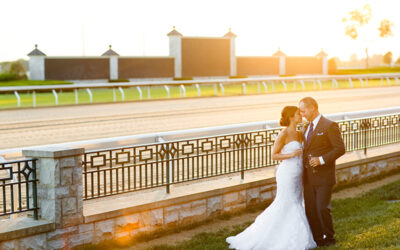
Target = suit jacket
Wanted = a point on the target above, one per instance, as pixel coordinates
(325, 141)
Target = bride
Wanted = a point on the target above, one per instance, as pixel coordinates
(282, 225)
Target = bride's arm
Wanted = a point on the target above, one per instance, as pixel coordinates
(277, 148)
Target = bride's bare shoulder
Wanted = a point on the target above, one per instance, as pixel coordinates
(283, 132)
(282, 135)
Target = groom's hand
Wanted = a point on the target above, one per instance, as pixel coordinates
(314, 162)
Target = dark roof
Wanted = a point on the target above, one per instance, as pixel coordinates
(279, 53)
(174, 32)
(230, 34)
(322, 53)
(36, 52)
(110, 52)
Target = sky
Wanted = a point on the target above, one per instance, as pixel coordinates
(137, 28)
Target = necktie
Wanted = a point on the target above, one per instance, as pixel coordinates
(310, 131)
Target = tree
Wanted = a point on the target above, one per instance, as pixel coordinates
(356, 24)
(332, 66)
(17, 68)
(387, 58)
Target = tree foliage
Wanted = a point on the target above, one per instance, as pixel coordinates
(17, 68)
(387, 58)
(332, 66)
(356, 19)
(360, 18)
(385, 28)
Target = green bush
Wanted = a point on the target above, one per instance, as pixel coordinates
(374, 70)
(237, 77)
(5, 77)
(186, 78)
(118, 80)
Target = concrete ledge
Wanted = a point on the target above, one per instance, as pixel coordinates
(367, 159)
(116, 212)
(23, 227)
(52, 152)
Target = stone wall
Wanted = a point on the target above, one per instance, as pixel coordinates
(123, 225)
(205, 56)
(70, 68)
(145, 67)
(258, 65)
(303, 65)
(351, 172)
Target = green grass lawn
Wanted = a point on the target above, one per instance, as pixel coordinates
(366, 222)
(132, 94)
(31, 82)
(374, 70)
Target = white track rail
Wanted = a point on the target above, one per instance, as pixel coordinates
(120, 141)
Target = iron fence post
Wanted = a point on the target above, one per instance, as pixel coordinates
(365, 139)
(34, 191)
(365, 125)
(242, 155)
(167, 166)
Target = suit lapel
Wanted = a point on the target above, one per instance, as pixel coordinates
(317, 129)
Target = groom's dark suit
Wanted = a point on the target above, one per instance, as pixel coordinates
(325, 141)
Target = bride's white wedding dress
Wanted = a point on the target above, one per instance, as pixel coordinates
(282, 225)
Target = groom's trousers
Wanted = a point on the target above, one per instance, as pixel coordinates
(317, 199)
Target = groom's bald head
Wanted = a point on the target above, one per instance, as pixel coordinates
(309, 101)
(308, 108)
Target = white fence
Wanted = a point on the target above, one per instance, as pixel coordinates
(265, 84)
(15, 153)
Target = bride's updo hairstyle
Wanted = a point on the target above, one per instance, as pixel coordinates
(287, 112)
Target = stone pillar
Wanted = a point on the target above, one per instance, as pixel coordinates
(113, 57)
(113, 67)
(36, 68)
(325, 65)
(324, 59)
(233, 58)
(60, 197)
(282, 61)
(282, 65)
(175, 50)
(36, 64)
(232, 36)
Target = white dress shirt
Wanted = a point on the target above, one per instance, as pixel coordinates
(315, 123)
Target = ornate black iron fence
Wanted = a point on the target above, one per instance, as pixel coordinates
(18, 187)
(127, 169)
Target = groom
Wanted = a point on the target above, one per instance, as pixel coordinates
(323, 144)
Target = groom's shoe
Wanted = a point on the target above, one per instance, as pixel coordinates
(328, 242)
(320, 243)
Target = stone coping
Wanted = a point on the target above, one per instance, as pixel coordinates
(22, 227)
(95, 210)
(52, 152)
(366, 160)
(120, 205)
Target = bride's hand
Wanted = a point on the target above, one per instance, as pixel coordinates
(297, 152)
